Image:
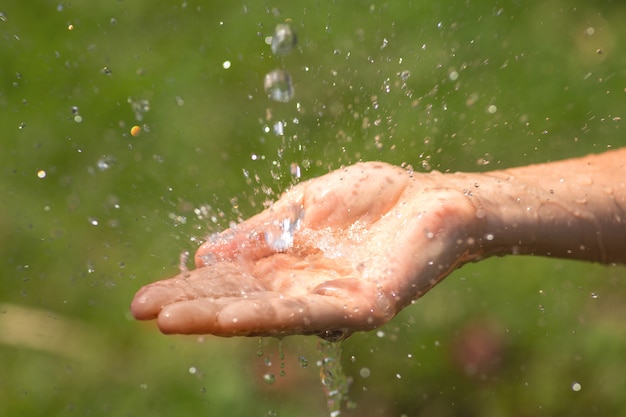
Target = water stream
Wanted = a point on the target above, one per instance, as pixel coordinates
(334, 380)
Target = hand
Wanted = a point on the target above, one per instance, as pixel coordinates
(337, 254)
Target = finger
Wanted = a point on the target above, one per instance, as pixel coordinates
(264, 316)
(338, 307)
(220, 280)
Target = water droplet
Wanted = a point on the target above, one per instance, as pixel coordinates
(594, 295)
(139, 107)
(284, 39)
(576, 387)
(269, 378)
(183, 258)
(41, 173)
(105, 162)
(193, 370)
(226, 64)
(404, 75)
(485, 160)
(93, 221)
(295, 171)
(278, 86)
(304, 362)
(279, 128)
(365, 372)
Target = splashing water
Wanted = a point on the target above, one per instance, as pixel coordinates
(334, 380)
(279, 235)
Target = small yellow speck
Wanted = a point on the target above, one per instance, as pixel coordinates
(135, 131)
(70, 27)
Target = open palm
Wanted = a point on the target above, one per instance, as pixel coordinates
(336, 254)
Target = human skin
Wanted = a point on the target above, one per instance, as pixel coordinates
(371, 238)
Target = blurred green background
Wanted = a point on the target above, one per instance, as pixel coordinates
(89, 213)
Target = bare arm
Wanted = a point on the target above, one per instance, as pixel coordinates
(347, 251)
(572, 209)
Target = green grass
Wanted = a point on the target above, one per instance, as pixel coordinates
(78, 243)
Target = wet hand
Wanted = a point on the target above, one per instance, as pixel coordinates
(337, 254)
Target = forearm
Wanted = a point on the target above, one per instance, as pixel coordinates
(572, 209)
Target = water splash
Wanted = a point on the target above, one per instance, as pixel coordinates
(279, 235)
(183, 259)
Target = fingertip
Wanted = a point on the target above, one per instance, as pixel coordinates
(142, 307)
(168, 323)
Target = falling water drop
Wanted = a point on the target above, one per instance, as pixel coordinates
(304, 362)
(278, 86)
(269, 378)
(295, 171)
(284, 39)
(105, 162)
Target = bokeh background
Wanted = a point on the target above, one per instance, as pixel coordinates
(89, 213)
